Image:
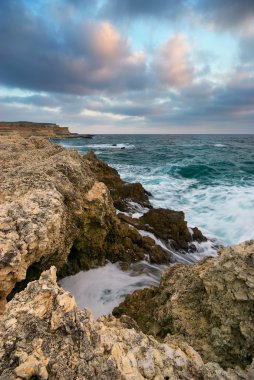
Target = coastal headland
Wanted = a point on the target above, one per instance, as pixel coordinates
(58, 216)
(28, 129)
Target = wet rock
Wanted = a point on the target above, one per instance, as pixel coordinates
(123, 193)
(43, 336)
(210, 304)
(167, 225)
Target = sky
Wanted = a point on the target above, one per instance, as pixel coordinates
(129, 66)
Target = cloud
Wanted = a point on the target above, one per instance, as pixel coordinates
(79, 58)
(142, 8)
(81, 71)
(203, 106)
(222, 14)
(172, 64)
(246, 46)
(226, 13)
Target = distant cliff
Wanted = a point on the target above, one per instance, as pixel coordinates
(27, 129)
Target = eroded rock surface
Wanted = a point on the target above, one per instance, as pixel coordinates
(43, 336)
(123, 193)
(210, 304)
(53, 211)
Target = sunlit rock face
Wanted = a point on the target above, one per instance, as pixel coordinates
(55, 212)
(27, 129)
(44, 336)
(209, 303)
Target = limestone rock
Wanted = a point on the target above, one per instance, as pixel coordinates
(123, 193)
(53, 211)
(43, 336)
(210, 304)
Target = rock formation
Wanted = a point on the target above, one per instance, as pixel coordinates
(210, 304)
(54, 211)
(43, 336)
(167, 225)
(27, 129)
(124, 194)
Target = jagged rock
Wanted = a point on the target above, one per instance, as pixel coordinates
(210, 304)
(123, 193)
(43, 336)
(54, 212)
(167, 225)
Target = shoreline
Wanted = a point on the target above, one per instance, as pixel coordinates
(59, 208)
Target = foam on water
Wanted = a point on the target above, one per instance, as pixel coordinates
(221, 212)
(101, 289)
(110, 146)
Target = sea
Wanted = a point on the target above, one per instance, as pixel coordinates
(209, 177)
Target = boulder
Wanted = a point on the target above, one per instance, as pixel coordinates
(210, 304)
(167, 225)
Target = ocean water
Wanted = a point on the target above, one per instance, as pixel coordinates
(209, 177)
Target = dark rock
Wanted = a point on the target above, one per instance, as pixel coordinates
(167, 225)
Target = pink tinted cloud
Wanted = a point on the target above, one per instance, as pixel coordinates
(103, 58)
(172, 64)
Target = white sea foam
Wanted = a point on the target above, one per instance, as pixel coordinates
(110, 146)
(225, 213)
(203, 249)
(219, 145)
(101, 289)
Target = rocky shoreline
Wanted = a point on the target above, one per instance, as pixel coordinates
(59, 209)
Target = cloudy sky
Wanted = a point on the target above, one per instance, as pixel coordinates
(129, 66)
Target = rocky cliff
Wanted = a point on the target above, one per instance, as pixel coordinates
(43, 336)
(54, 211)
(210, 304)
(27, 129)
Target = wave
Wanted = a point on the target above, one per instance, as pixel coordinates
(222, 212)
(220, 145)
(110, 146)
(197, 171)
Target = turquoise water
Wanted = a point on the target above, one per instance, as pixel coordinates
(209, 177)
